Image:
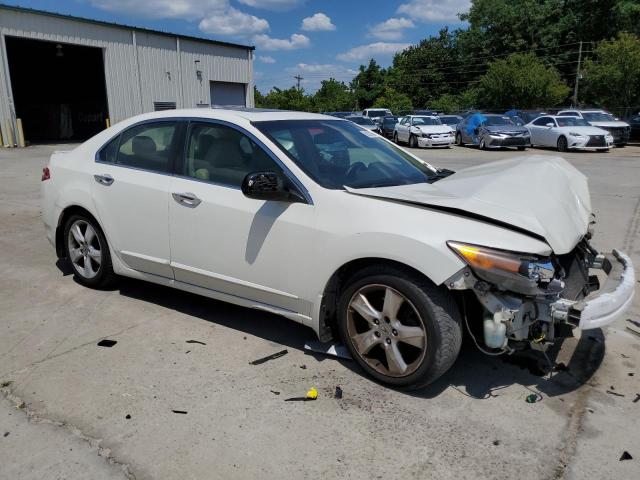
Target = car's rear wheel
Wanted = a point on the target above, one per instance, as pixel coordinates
(400, 328)
(522, 149)
(87, 250)
(562, 144)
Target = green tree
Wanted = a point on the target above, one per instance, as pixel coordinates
(520, 81)
(289, 99)
(368, 84)
(258, 98)
(333, 96)
(393, 100)
(612, 78)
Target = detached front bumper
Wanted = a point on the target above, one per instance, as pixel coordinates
(612, 300)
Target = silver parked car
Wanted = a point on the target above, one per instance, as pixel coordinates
(491, 131)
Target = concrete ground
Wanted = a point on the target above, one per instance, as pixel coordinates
(73, 410)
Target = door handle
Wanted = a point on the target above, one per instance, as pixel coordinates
(186, 199)
(105, 180)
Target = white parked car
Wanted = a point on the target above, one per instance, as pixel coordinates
(423, 131)
(599, 118)
(330, 225)
(566, 133)
(377, 114)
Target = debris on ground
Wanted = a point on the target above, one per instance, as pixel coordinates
(312, 394)
(329, 349)
(187, 352)
(128, 417)
(533, 398)
(633, 322)
(275, 392)
(6, 434)
(338, 393)
(496, 442)
(624, 356)
(626, 456)
(611, 392)
(21, 406)
(5, 384)
(107, 343)
(303, 367)
(269, 357)
(181, 412)
(631, 374)
(635, 400)
(635, 332)
(196, 341)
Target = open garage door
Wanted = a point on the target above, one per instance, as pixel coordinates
(228, 94)
(58, 89)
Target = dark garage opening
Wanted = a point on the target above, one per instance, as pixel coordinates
(58, 89)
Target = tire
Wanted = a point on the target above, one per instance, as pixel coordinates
(522, 149)
(423, 306)
(395, 138)
(482, 145)
(459, 139)
(562, 144)
(86, 248)
(413, 142)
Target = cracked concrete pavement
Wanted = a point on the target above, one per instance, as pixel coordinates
(472, 423)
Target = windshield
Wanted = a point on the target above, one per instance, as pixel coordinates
(494, 121)
(450, 120)
(390, 120)
(336, 153)
(361, 120)
(378, 113)
(598, 117)
(571, 122)
(530, 116)
(425, 121)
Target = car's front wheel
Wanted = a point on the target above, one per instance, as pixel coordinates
(402, 329)
(459, 139)
(87, 250)
(395, 138)
(413, 141)
(562, 144)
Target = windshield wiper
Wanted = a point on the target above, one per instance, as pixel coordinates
(441, 173)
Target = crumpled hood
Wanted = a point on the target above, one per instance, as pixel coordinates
(435, 128)
(542, 195)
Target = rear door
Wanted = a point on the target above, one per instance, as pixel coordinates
(132, 176)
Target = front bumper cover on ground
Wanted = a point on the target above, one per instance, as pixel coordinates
(612, 300)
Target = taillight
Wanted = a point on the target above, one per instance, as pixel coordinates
(46, 174)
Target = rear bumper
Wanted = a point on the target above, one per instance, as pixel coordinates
(609, 303)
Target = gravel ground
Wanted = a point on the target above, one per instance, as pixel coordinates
(74, 410)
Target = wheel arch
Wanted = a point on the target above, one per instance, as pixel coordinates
(327, 321)
(67, 213)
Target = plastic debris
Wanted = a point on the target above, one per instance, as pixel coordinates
(181, 412)
(637, 399)
(303, 367)
(6, 434)
(635, 332)
(107, 343)
(196, 341)
(338, 393)
(312, 394)
(5, 383)
(128, 417)
(329, 349)
(610, 392)
(626, 456)
(533, 398)
(275, 392)
(633, 322)
(269, 357)
(496, 442)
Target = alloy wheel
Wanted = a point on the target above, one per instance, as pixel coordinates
(85, 251)
(386, 330)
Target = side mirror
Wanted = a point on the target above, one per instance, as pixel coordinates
(269, 186)
(550, 125)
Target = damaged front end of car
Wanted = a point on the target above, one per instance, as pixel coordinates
(530, 301)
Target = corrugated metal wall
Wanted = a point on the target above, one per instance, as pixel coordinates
(140, 67)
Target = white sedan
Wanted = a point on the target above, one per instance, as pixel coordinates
(331, 225)
(423, 131)
(565, 133)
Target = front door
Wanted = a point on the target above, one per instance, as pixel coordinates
(224, 241)
(130, 191)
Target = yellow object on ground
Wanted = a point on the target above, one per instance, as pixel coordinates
(312, 394)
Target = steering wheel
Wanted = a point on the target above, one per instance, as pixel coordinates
(353, 169)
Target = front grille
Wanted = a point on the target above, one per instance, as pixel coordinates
(619, 133)
(597, 141)
(513, 141)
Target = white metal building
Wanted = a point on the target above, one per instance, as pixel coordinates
(65, 77)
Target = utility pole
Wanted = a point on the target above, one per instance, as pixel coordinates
(575, 91)
(298, 78)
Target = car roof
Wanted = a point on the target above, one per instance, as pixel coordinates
(418, 115)
(236, 114)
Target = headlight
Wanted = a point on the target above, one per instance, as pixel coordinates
(426, 135)
(517, 272)
(574, 134)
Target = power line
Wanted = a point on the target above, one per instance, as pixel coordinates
(298, 79)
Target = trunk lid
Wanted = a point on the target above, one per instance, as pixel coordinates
(540, 194)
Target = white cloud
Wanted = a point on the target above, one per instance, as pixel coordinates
(391, 29)
(266, 59)
(435, 10)
(273, 4)
(233, 22)
(317, 23)
(365, 52)
(188, 9)
(296, 41)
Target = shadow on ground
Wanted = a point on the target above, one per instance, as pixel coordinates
(474, 374)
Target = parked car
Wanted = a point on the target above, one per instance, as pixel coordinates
(423, 131)
(566, 133)
(376, 114)
(491, 131)
(428, 113)
(388, 126)
(315, 219)
(524, 116)
(605, 120)
(365, 122)
(634, 122)
(339, 114)
(451, 120)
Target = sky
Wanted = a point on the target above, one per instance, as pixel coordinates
(315, 39)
